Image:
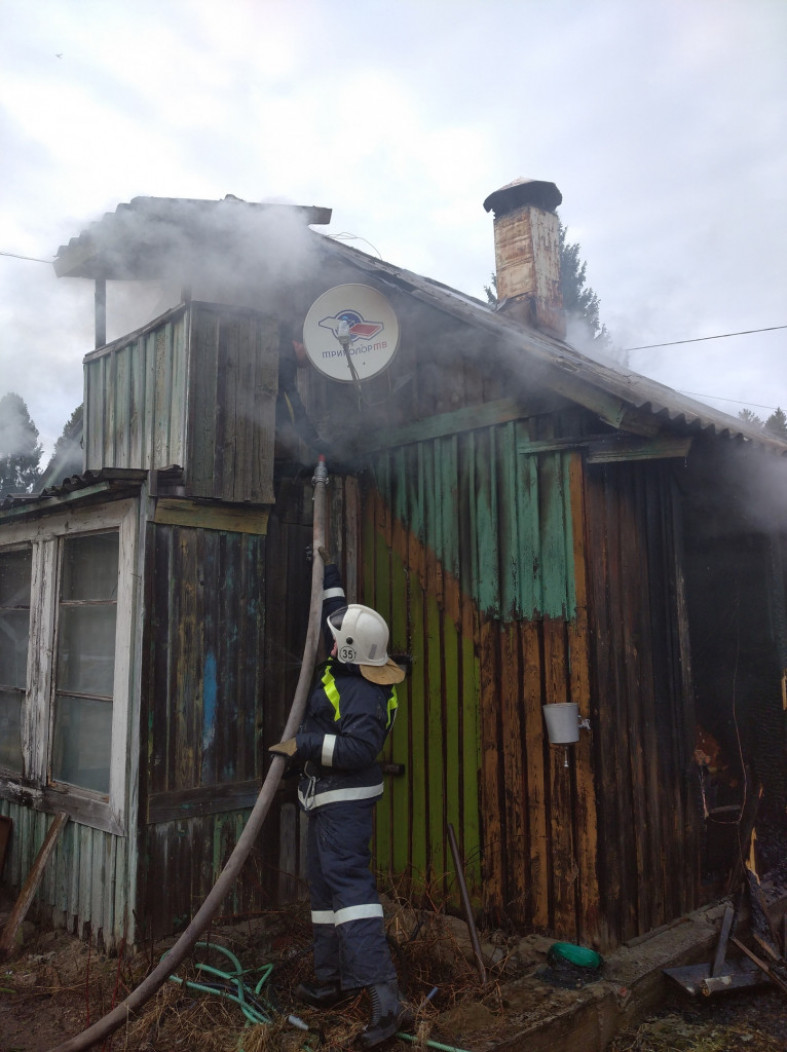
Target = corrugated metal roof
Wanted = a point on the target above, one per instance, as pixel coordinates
(624, 398)
(131, 242)
(116, 481)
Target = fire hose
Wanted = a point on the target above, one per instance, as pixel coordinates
(185, 944)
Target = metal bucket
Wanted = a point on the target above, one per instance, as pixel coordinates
(562, 722)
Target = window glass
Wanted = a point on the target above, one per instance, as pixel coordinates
(85, 666)
(83, 735)
(11, 730)
(90, 567)
(15, 577)
(86, 649)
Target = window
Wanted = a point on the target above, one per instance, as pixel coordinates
(15, 575)
(68, 598)
(85, 666)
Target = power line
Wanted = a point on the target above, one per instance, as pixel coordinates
(30, 259)
(737, 401)
(699, 339)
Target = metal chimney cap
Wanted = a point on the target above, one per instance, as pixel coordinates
(524, 192)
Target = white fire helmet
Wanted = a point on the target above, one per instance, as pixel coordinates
(361, 636)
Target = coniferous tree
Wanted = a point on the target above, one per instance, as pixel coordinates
(750, 417)
(777, 423)
(580, 302)
(20, 450)
(67, 457)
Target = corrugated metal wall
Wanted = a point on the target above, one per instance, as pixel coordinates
(86, 886)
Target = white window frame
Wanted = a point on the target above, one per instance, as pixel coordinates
(101, 811)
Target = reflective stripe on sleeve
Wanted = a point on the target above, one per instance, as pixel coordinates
(332, 593)
(328, 745)
(354, 913)
(331, 692)
(323, 917)
(337, 796)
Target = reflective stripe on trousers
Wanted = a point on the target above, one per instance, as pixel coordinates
(349, 932)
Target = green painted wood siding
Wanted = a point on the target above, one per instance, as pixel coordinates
(462, 535)
(494, 513)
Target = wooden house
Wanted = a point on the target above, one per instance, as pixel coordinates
(538, 528)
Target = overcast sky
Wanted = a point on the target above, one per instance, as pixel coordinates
(663, 123)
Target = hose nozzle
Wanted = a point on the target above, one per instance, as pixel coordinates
(320, 472)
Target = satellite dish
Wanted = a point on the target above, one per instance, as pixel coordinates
(367, 325)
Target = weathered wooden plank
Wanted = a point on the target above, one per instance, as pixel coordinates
(161, 746)
(121, 397)
(471, 748)
(418, 726)
(110, 394)
(432, 519)
(381, 597)
(538, 869)
(226, 385)
(512, 777)
(565, 871)
(505, 472)
(25, 898)
(487, 536)
(580, 692)
(200, 801)
(475, 417)
(162, 396)
(203, 402)
(453, 773)
(491, 790)
(440, 748)
(529, 535)
(179, 511)
(267, 383)
(242, 412)
(179, 379)
(553, 568)
(401, 795)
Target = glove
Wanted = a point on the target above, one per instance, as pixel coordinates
(285, 748)
(325, 556)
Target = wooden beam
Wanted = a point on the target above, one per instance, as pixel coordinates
(724, 938)
(178, 511)
(19, 912)
(465, 419)
(762, 965)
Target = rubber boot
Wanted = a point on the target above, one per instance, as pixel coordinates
(320, 995)
(386, 1012)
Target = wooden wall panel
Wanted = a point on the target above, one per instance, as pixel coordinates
(471, 521)
(205, 687)
(642, 713)
(518, 584)
(232, 410)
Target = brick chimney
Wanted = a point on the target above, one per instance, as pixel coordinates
(527, 253)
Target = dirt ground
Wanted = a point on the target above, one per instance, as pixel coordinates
(55, 986)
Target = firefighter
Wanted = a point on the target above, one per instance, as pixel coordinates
(349, 714)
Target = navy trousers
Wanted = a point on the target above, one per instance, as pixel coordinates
(350, 946)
